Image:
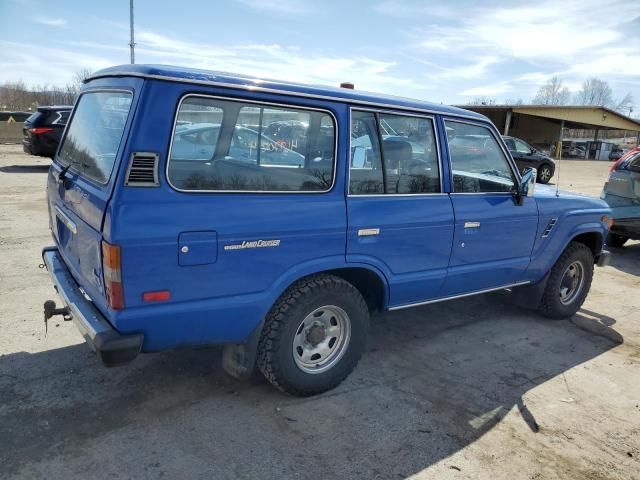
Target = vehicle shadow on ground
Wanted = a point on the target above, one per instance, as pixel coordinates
(25, 169)
(434, 380)
(627, 258)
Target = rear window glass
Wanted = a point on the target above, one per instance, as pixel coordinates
(238, 146)
(94, 135)
(33, 117)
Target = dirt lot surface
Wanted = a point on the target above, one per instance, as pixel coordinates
(468, 389)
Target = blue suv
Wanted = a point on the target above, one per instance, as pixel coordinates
(183, 213)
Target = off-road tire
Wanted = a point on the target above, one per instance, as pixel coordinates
(275, 349)
(615, 240)
(550, 305)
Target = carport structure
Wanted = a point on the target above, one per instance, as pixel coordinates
(544, 124)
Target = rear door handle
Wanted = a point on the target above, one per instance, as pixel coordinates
(471, 224)
(368, 232)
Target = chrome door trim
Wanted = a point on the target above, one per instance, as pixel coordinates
(453, 297)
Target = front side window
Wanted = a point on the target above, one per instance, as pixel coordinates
(394, 154)
(238, 146)
(478, 163)
(522, 147)
(92, 140)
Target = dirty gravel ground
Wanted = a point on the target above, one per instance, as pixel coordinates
(470, 389)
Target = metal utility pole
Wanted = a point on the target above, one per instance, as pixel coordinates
(559, 157)
(132, 44)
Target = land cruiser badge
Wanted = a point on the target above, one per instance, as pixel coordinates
(253, 244)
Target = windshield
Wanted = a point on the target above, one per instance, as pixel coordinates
(93, 137)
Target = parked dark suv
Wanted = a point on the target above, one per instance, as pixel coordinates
(527, 156)
(43, 129)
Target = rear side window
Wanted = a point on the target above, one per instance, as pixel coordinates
(33, 118)
(478, 163)
(92, 140)
(226, 145)
(60, 117)
(393, 154)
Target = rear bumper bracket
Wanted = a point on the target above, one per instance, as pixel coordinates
(113, 347)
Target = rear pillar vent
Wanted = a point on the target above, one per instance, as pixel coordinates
(143, 170)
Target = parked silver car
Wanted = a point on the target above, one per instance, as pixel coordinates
(622, 193)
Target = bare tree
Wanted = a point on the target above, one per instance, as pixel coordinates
(625, 105)
(595, 92)
(598, 92)
(482, 101)
(552, 93)
(80, 76)
(512, 101)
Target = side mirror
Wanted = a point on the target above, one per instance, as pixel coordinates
(527, 185)
(533, 150)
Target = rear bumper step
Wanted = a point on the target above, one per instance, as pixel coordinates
(114, 348)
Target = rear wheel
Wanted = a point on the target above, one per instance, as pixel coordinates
(615, 240)
(314, 335)
(569, 282)
(544, 174)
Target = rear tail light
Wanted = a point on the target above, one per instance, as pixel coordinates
(112, 275)
(40, 130)
(615, 165)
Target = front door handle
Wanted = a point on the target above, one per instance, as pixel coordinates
(471, 224)
(368, 232)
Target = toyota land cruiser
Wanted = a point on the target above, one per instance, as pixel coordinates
(183, 214)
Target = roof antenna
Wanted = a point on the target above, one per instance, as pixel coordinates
(559, 156)
(348, 85)
(132, 43)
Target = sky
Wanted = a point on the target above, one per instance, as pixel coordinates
(450, 51)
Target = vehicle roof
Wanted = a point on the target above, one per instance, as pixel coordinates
(245, 82)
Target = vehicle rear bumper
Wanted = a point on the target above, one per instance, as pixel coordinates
(627, 227)
(112, 347)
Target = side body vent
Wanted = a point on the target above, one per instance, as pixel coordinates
(143, 170)
(550, 225)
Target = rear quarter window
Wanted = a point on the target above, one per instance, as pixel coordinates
(228, 145)
(93, 138)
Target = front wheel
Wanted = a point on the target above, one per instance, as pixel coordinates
(615, 240)
(569, 283)
(314, 335)
(544, 174)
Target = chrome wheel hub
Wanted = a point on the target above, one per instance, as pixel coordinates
(571, 283)
(321, 339)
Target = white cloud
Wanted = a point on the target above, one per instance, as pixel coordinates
(490, 90)
(41, 64)
(280, 6)
(276, 61)
(51, 21)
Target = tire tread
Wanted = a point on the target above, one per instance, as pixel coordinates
(549, 302)
(275, 322)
